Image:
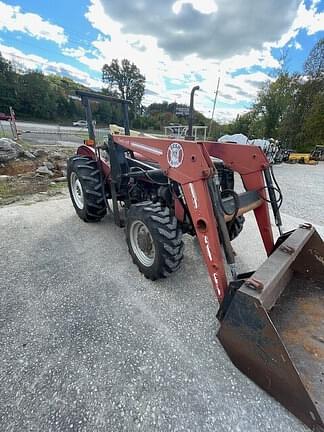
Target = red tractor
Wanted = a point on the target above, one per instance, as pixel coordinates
(159, 189)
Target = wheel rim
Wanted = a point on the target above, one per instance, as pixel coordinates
(142, 243)
(77, 191)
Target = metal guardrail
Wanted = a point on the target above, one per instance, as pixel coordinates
(60, 135)
(42, 132)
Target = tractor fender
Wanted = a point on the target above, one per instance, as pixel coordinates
(88, 151)
(85, 150)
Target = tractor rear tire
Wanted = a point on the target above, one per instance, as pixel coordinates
(84, 182)
(154, 240)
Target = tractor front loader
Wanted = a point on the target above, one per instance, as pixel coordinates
(272, 318)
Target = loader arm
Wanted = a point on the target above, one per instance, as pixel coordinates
(250, 162)
(194, 169)
(271, 319)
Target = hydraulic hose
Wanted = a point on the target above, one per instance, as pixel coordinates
(275, 204)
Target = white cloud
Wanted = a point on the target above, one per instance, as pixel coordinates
(210, 30)
(31, 61)
(74, 52)
(306, 19)
(186, 42)
(225, 115)
(298, 46)
(157, 65)
(13, 19)
(203, 6)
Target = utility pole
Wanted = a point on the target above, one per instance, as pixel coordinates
(215, 99)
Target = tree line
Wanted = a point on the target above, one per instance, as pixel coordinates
(36, 96)
(289, 108)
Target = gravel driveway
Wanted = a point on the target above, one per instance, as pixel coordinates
(303, 190)
(88, 344)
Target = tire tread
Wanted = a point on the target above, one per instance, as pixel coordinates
(89, 176)
(167, 237)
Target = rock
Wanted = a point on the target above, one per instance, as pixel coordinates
(49, 165)
(4, 178)
(59, 179)
(44, 170)
(57, 155)
(29, 155)
(40, 153)
(9, 150)
(61, 166)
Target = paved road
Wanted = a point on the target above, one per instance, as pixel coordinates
(50, 134)
(88, 344)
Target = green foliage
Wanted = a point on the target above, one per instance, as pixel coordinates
(127, 79)
(272, 104)
(8, 84)
(313, 125)
(289, 108)
(34, 95)
(314, 65)
(158, 115)
(241, 124)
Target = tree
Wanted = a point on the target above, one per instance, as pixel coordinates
(314, 122)
(8, 84)
(241, 124)
(37, 99)
(272, 103)
(314, 64)
(127, 79)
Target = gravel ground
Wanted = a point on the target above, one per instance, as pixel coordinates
(88, 344)
(303, 190)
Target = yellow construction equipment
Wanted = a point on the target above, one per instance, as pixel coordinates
(302, 158)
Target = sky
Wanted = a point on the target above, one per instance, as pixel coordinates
(175, 43)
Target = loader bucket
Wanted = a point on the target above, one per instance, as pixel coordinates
(273, 328)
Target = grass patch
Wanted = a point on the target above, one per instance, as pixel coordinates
(25, 145)
(17, 186)
(22, 189)
(58, 185)
(5, 190)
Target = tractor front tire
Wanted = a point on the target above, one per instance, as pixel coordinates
(154, 240)
(84, 182)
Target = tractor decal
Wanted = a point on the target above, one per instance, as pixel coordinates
(175, 155)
